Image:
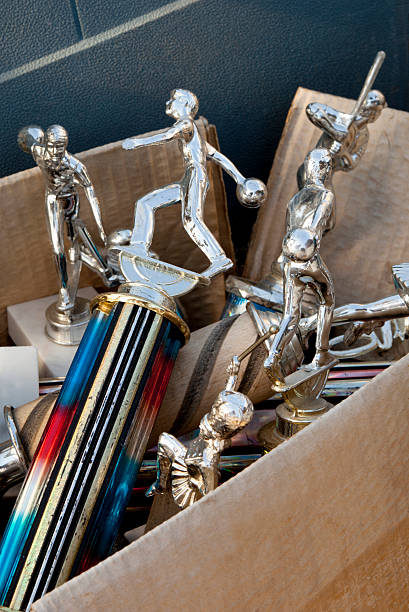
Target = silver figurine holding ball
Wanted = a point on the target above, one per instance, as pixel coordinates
(191, 190)
(64, 174)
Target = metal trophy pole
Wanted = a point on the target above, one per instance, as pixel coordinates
(67, 514)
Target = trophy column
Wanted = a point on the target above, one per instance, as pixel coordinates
(66, 516)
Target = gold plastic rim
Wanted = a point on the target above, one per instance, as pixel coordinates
(106, 301)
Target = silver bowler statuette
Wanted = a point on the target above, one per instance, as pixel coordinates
(191, 190)
(310, 214)
(64, 174)
(341, 146)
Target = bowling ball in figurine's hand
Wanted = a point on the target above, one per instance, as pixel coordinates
(28, 135)
(119, 238)
(251, 192)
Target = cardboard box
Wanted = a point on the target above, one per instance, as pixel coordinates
(322, 521)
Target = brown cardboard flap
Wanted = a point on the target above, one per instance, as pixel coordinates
(120, 177)
(372, 205)
(320, 523)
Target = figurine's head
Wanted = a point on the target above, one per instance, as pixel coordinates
(318, 165)
(300, 244)
(56, 140)
(229, 414)
(182, 103)
(373, 106)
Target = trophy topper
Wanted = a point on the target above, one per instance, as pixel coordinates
(191, 192)
(64, 174)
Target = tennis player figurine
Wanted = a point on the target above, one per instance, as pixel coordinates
(64, 174)
(191, 190)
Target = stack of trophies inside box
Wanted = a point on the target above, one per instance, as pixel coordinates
(264, 413)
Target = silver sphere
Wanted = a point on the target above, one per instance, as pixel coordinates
(251, 193)
(120, 237)
(300, 244)
(29, 135)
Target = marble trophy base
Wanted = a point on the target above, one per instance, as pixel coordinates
(26, 327)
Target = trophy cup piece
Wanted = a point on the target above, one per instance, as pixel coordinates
(64, 174)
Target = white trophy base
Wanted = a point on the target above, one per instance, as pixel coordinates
(18, 379)
(26, 326)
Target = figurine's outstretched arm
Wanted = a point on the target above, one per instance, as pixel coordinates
(85, 182)
(145, 141)
(225, 163)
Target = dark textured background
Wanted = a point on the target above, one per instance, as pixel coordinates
(104, 69)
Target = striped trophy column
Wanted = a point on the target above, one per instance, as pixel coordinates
(69, 509)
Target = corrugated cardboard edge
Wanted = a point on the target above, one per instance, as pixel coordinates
(320, 523)
(371, 203)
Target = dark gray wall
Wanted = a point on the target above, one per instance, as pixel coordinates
(104, 69)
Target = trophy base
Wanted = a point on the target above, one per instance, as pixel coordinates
(26, 325)
(290, 421)
(67, 327)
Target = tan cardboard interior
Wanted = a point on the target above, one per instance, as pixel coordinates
(120, 178)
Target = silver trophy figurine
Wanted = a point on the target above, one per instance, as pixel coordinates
(191, 190)
(341, 146)
(310, 214)
(64, 174)
(187, 473)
